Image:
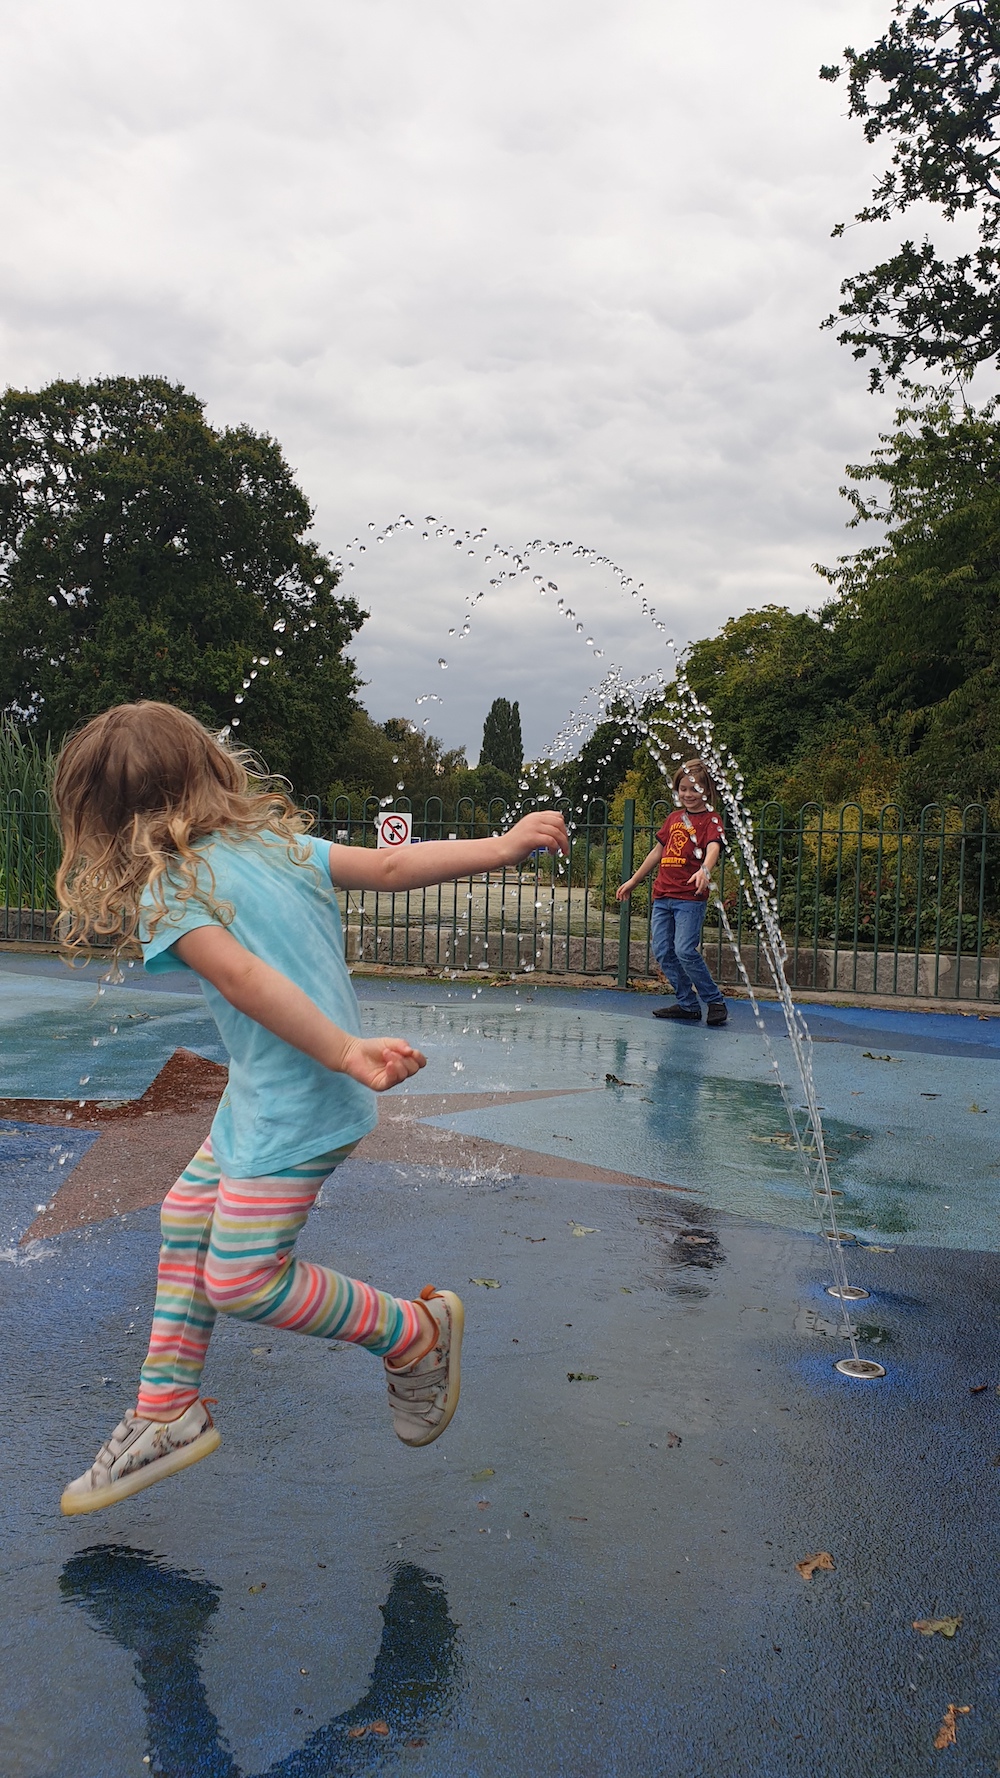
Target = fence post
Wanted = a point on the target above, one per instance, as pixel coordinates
(625, 914)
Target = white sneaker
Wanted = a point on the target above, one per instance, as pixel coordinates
(423, 1394)
(139, 1453)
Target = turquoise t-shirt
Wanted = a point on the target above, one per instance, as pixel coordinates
(280, 1106)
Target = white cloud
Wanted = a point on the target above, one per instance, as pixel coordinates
(554, 268)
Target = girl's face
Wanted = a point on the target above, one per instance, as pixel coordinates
(690, 797)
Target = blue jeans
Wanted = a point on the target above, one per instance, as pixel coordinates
(676, 933)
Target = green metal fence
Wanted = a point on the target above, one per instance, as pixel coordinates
(869, 904)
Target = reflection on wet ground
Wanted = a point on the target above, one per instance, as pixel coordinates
(160, 1614)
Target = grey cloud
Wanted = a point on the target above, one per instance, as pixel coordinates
(557, 269)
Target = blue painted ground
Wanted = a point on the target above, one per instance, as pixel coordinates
(583, 1577)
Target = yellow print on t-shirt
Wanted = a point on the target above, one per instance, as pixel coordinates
(676, 846)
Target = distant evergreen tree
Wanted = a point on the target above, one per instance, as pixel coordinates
(502, 745)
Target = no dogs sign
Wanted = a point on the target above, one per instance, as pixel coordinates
(394, 830)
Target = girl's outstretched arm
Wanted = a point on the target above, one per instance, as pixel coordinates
(441, 861)
(266, 995)
(649, 863)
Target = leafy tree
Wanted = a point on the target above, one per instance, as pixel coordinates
(920, 611)
(143, 553)
(395, 759)
(778, 687)
(931, 85)
(604, 760)
(502, 746)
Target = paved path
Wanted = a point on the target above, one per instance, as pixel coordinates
(594, 1572)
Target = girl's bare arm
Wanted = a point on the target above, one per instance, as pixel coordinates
(441, 861)
(266, 995)
(649, 863)
(707, 866)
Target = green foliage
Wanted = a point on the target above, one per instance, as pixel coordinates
(891, 692)
(395, 759)
(26, 767)
(502, 747)
(145, 554)
(777, 684)
(931, 85)
(604, 760)
(919, 613)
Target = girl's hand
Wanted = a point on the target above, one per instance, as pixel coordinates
(381, 1062)
(624, 892)
(545, 828)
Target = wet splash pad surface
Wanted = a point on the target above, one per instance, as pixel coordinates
(644, 1614)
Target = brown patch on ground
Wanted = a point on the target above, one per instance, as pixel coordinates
(185, 1083)
(143, 1144)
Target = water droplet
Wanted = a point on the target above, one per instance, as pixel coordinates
(84, 1079)
(441, 661)
(279, 626)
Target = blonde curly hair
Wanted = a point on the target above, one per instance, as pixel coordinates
(134, 789)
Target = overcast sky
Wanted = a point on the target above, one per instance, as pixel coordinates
(555, 267)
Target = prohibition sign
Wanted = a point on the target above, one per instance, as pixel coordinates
(394, 830)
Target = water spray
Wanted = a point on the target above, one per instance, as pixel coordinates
(691, 721)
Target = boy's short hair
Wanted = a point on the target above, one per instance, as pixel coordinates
(699, 774)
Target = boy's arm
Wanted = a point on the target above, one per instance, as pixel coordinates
(440, 861)
(649, 863)
(266, 995)
(707, 866)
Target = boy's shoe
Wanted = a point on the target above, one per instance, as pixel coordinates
(691, 1014)
(139, 1453)
(718, 1013)
(423, 1394)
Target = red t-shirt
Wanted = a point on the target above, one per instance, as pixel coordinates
(683, 852)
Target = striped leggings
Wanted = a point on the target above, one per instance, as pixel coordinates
(228, 1244)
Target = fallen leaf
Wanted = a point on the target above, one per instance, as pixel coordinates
(613, 1081)
(417, 1742)
(359, 1733)
(946, 1736)
(808, 1567)
(534, 1238)
(697, 1240)
(482, 1505)
(487, 1283)
(870, 1056)
(943, 1626)
(577, 1228)
(259, 1588)
(581, 1377)
(982, 1109)
(673, 1440)
(481, 1475)
(977, 1388)
(577, 1519)
(869, 1248)
(380, 1728)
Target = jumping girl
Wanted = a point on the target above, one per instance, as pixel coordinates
(166, 840)
(684, 856)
